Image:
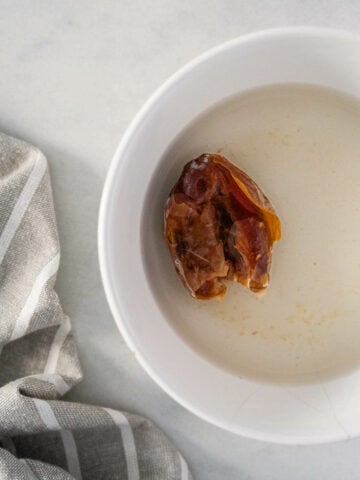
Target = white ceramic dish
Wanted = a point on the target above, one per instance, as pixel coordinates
(317, 412)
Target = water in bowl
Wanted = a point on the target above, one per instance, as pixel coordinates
(302, 145)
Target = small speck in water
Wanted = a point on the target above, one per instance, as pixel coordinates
(301, 307)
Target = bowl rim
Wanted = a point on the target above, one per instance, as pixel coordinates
(115, 167)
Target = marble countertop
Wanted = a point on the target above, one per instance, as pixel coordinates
(73, 74)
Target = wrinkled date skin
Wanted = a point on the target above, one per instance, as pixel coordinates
(219, 226)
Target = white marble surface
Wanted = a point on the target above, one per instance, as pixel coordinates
(72, 75)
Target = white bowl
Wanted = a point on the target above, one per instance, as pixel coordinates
(299, 414)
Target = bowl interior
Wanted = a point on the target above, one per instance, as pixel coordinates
(143, 290)
(301, 144)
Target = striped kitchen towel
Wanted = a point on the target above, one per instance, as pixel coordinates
(42, 437)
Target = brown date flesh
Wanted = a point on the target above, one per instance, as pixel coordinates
(219, 225)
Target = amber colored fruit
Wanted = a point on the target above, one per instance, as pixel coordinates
(219, 225)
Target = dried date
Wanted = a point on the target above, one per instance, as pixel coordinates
(219, 225)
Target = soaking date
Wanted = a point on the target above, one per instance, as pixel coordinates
(219, 225)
